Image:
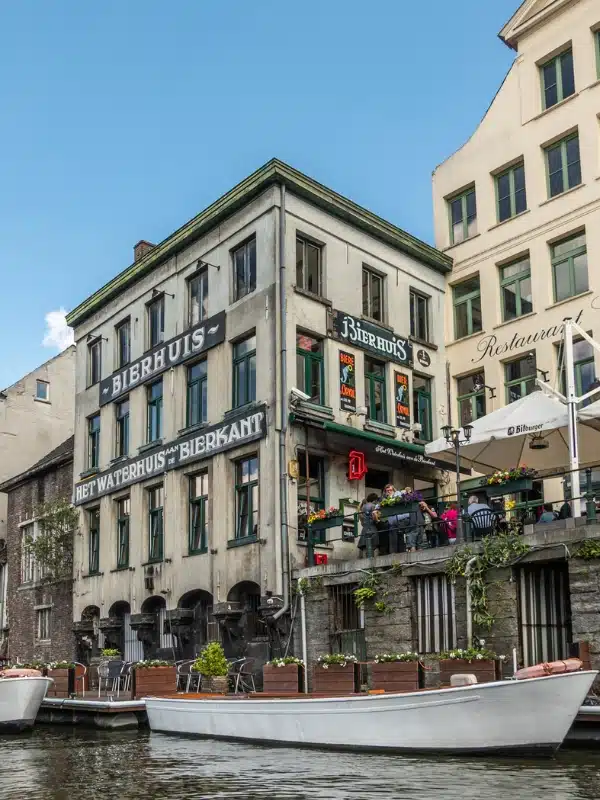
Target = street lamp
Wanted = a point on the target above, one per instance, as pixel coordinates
(452, 436)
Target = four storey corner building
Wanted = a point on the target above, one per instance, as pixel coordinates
(226, 383)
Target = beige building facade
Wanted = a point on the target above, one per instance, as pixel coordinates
(518, 210)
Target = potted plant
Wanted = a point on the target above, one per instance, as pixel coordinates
(484, 664)
(153, 677)
(320, 520)
(214, 668)
(283, 675)
(110, 652)
(405, 501)
(397, 672)
(519, 479)
(336, 674)
(63, 675)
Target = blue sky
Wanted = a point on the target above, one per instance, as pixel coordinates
(123, 119)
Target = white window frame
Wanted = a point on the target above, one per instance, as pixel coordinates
(38, 383)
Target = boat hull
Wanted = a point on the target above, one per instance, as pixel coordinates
(518, 717)
(20, 700)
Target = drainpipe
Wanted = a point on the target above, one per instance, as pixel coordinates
(304, 650)
(283, 478)
(470, 563)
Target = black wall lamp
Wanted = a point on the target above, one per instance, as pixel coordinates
(158, 292)
(478, 385)
(94, 337)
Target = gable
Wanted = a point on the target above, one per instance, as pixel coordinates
(529, 15)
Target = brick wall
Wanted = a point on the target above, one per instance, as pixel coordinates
(23, 599)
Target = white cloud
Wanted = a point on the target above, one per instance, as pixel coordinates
(58, 334)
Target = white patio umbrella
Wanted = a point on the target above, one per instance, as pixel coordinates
(590, 417)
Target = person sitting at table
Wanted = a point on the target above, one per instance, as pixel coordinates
(475, 505)
(548, 514)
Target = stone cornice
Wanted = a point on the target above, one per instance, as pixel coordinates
(526, 18)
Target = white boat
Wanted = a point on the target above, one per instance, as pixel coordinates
(525, 716)
(20, 700)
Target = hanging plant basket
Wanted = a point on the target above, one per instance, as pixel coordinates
(510, 487)
(328, 522)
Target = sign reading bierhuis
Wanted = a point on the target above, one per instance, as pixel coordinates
(372, 338)
(164, 356)
(178, 453)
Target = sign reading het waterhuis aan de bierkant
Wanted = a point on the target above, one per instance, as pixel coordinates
(347, 381)
(178, 453)
(377, 341)
(164, 356)
(402, 400)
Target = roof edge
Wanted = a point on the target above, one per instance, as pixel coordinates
(55, 458)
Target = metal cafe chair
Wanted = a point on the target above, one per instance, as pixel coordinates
(186, 678)
(109, 674)
(80, 675)
(244, 676)
(124, 680)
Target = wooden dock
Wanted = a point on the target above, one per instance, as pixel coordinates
(104, 713)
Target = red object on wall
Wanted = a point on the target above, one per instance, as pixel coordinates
(357, 467)
(320, 558)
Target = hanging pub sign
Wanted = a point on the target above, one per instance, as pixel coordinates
(402, 400)
(192, 343)
(347, 381)
(377, 341)
(357, 467)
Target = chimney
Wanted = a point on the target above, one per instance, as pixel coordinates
(141, 248)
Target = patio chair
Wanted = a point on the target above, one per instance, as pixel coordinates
(80, 677)
(244, 676)
(109, 674)
(483, 523)
(186, 679)
(124, 680)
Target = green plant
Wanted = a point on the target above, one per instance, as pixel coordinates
(285, 661)
(307, 586)
(110, 651)
(363, 595)
(370, 591)
(52, 547)
(336, 659)
(212, 662)
(152, 662)
(589, 550)
(470, 654)
(507, 475)
(386, 658)
(60, 665)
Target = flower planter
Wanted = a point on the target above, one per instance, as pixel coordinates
(64, 682)
(397, 676)
(217, 684)
(336, 680)
(485, 670)
(283, 680)
(510, 487)
(153, 681)
(399, 508)
(323, 524)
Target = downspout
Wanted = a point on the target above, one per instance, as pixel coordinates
(283, 478)
(468, 567)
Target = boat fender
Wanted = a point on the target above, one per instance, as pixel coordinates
(549, 668)
(463, 680)
(20, 673)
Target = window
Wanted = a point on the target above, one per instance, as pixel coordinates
(123, 337)
(27, 559)
(123, 516)
(94, 541)
(246, 498)
(545, 612)
(198, 530)
(422, 406)
(436, 614)
(375, 390)
(569, 267)
(467, 308)
(43, 623)
(372, 292)
(308, 266)
(597, 42)
(563, 165)
(155, 407)
(519, 377)
(515, 288)
(585, 371)
(197, 387)
(198, 297)
(309, 367)
(244, 372)
(511, 197)
(155, 524)
(558, 79)
(94, 441)
(42, 390)
(244, 269)
(463, 216)
(122, 428)
(316, 492)
(471, 398)
(94, 359)
(156, 321)
(419, 316)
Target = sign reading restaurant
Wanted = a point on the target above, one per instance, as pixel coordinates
(178, 453)
(164, 356)
(372, 338)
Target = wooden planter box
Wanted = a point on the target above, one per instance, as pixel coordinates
(336, 680)
(397, 676)
(484, 671)
(323, 524)
(153, 681)
(283, 680)
(399, 508)
(511, 487)
(64, 682)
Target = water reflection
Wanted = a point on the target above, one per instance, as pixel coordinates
(54, 764)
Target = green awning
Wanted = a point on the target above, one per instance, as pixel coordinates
(348, 430)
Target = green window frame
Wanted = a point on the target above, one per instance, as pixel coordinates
(246, 498)
(470, 396)
(122, 428)
(375, 389)
(519, 377)
(123, 336)
(155, 411)
(423, 406)
(462, 211)
(316, 493)
(198, 297)
(563, 165)
(511, 193)
(156, 321)
(583, 359)
(309, 266)
(419, 316)
(310, 374)
(123, 520)
(94, 441)
(156, 533)
(558, 79)
(244, 269)
(94, 368)
(197, 394)
(198, 516)
(94, 541)
(467, 307)
(372, 294)
(244, 371)
(515, 289)
(569, 267)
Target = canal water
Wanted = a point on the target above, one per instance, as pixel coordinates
(61, 764)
